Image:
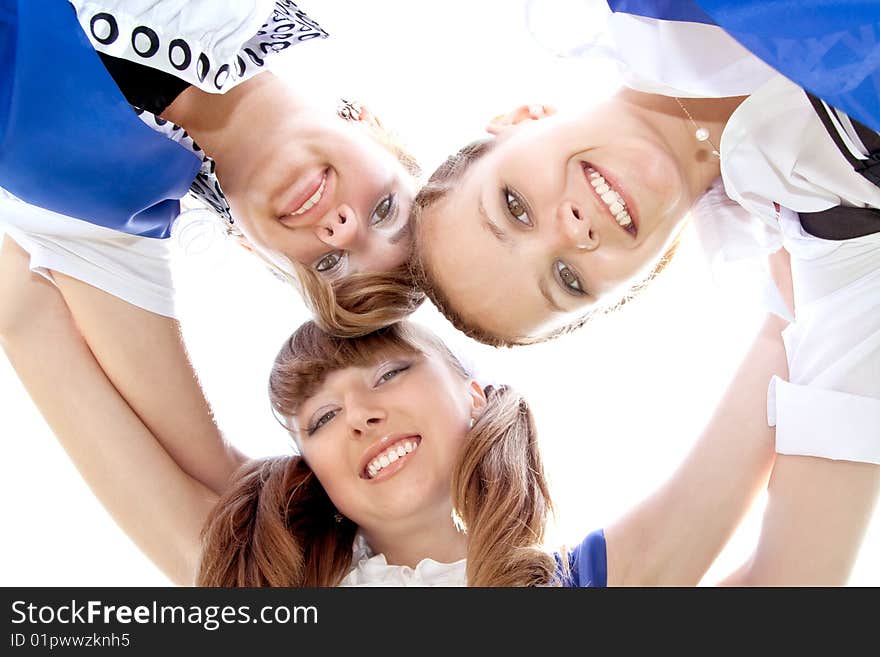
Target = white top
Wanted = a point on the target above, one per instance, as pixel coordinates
(211, 44)
(776, 160)
(225, 41)
(373, 570)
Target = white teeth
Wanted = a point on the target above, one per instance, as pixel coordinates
(313, 199)
(389, 456)
(611, 198)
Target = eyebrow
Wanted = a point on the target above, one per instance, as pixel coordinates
(545, 292)
(491, 226)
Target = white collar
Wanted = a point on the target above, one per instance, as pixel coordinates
(374, 570)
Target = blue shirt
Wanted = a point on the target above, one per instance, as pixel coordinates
(69, 134)
(588, 563)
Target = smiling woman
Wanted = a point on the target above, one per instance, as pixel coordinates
(306, 189)
(410, 472)
(567, 210)
(618, 404)
(303, 185)
(562, 215)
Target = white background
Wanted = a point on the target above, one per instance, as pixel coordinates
(618, 403)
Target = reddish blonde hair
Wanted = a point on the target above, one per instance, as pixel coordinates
(275, 526)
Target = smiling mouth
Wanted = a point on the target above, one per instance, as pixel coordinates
(611, 198)
(392, 458)
(313, 199)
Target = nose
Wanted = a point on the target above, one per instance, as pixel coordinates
(576, 227)
(338, 228)
(364, 417)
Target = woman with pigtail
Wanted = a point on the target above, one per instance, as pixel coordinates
(408, 471)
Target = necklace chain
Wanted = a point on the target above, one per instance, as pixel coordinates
(702, 134)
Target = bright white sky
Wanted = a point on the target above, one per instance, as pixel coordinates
(618, 404)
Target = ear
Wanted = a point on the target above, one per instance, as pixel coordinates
(477, 399)
(368, 118)
(503, 122)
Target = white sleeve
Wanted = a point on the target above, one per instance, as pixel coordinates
(136, 269)
(699, 60)
(830, 407)
(211, 44)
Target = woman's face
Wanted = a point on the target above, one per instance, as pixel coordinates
(323, 192)
(555, 217)
(383, 440)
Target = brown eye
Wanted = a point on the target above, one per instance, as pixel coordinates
(383, 210)
(516, 208)
(569, 279)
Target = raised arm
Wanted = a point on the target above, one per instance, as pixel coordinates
(143, 356)
(159, 505)
(675, 534)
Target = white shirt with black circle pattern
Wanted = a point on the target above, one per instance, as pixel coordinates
(211, 44)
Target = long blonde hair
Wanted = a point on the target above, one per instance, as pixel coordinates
(276, 526)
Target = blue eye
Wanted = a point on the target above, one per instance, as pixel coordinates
(516, 207)
(385, 209)
(392, 373)
(568, 278)
(321, 421)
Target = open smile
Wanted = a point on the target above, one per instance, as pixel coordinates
(388, 456)
(310, 199)
(612, 198)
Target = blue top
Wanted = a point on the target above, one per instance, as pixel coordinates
(828, 47)
(68, 134)
(588, 563)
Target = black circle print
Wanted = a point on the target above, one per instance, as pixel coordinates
(203, 67)
(144, 41)
(286, 25)
(179, 54)
(104, 28)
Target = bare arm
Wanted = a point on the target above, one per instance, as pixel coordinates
(144, 358)
(674, 535)
(817, 512)
(161, 507)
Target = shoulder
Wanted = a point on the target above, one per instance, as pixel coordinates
(210, 44)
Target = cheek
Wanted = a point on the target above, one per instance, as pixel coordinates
(449, 410)
(364, 174)
(327, 461)
(615, 273)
